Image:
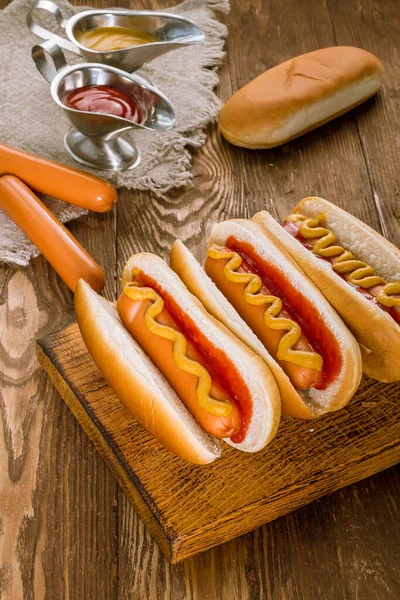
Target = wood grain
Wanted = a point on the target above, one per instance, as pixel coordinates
(66, 529)
(189, 508)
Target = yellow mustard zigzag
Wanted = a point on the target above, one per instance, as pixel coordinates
(219, 408)
(359, 273)
(304, 358)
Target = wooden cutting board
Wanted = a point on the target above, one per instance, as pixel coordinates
(189, 508)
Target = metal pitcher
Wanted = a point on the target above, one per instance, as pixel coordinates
(96, 138)
(170, 31)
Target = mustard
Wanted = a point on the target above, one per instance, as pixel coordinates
(304, 358)
(105, 39)
(358, 272)
(219, 408)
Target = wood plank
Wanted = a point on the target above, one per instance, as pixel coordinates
(378, 125)
(314, 164)
(273, 31)
(328, 161)
(48, 467)
(47, 464)
(343, 546)
(189, 508)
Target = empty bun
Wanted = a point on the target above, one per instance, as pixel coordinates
(136, 381)
(299, 95)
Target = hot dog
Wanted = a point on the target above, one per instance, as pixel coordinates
(312, 355)
(227, 390)
(136, 382)
(201, 286)
(65, 254)
(57, 180)
(306, 371)
(225, 420)
(356, 269)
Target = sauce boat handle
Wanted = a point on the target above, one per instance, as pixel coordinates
(39, 55)
(43, 33)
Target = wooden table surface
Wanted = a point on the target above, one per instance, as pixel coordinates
(66, 529)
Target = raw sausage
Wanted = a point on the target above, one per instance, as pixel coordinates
(65, 254)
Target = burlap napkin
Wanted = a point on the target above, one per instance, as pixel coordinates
(30, 120)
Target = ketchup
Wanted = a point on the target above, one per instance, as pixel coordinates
(220, 367)
(293, 229)
(300, 309)
(104, 99)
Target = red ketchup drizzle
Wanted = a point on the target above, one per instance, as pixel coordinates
(293, 229)
(104, 99)
(220, 367)
(300, 309)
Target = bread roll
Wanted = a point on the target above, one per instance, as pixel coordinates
(300, 95)
(136, 382)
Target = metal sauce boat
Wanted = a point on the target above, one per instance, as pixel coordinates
(94, 139)
(170, 31)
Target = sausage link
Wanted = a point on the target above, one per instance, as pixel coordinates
(301, 377)
(159, 349)
(65, 254)
(293, 228)
(59, 181)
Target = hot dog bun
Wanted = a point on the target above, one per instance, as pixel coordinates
(377, 333)
(338, 393)
(133, 377)
(251, 368)
(197, 281)
(299, 95)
